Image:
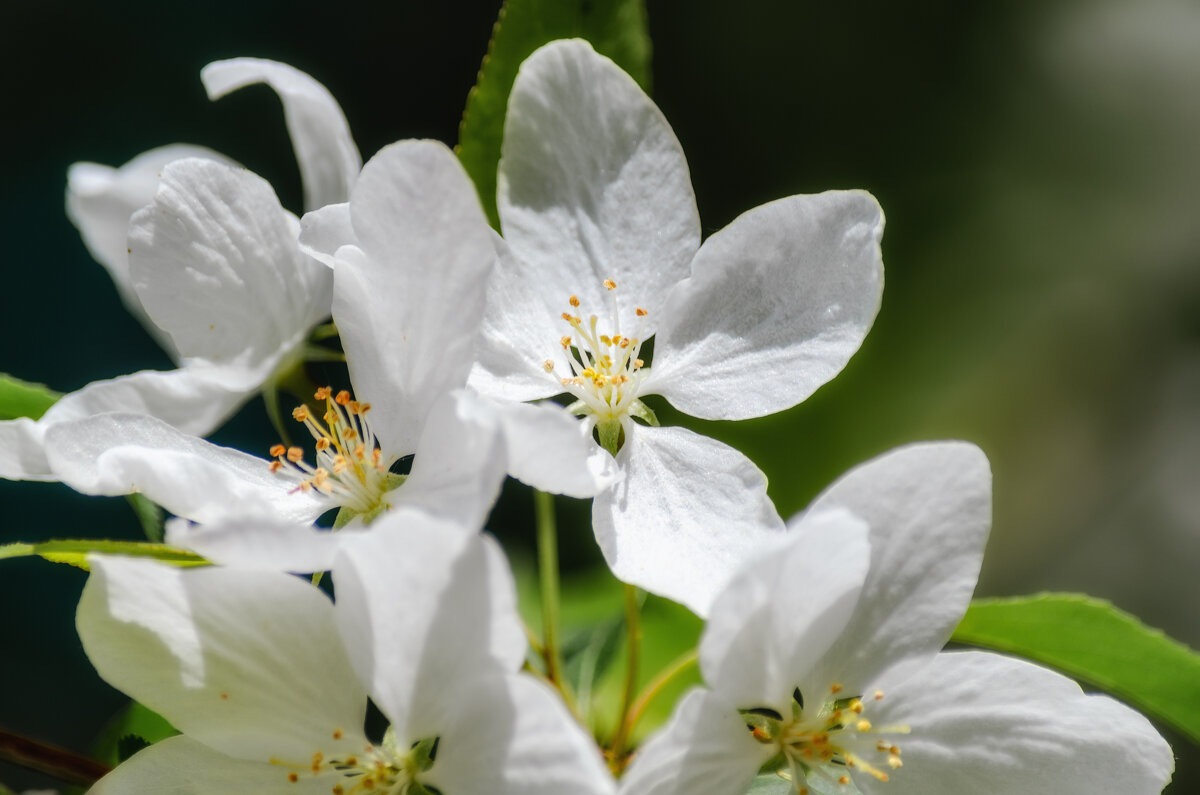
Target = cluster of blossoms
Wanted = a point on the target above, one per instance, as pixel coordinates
(822, 654)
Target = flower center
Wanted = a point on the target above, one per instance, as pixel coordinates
(349, 471)
(821, 747)
(605, 370)
(377, 770)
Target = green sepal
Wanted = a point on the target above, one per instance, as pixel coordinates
(24, 398)
(610, 435)
(74, 552)
(616, 28)
(347, 515)
(578, 408)
(1092, 641)
(149, 515)
(133, 728)
(644, 413)
(771, 783)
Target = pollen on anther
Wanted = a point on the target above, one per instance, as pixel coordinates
(323, 443)
(844, 780)
(835, 688)
(863, 725)
(548, 366)
(275, 466)
(337, 734)
(337, 790)
(343, 398)
(323, 393)
(295, 454)
(879, 695)
(565, 342)
(573, 300)
(277, 450)
(609, 284)
(641, 312)
(293, 777)
(300, 413)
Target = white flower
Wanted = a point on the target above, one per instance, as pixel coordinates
(409, 332)
(823, 658)
(210, 266)
(602, 252)
(268, 680)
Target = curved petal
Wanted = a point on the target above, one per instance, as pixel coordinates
(216, 264)
(783, 610)
(777, 303)
(183, 766)
(102, 199)
(261, 543)
(248, 663)
(929, 507)
(113, 454)
(324, 231)
(459, 464)
(328, 159)
(522, 326)
(688, 513)
(409, 309)
(426, 605)
(704, 750)
(512, 735)
(593, 185)
(983, 722)
(22, 455)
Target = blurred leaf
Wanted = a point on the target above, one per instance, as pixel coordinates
(24, 399)
(132, 729)
(616, 28)
(587, 656)
(770, 784)
(1091, 640)
(149, 515)
(75, 551)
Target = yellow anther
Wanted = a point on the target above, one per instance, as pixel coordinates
(331, 416)
(879, 695)
(638, 364)
(343, 398)
(376, 456)
(863, 725)
(566, 381)
(606, 339)
(323, 393)
(894, 762)
(548, 366)
(293, 777)
(610, 284)
(275, 466)
(567, 317)
(295, 454)
(277, 450)
(363, 408)
(856, 706)
(616, 340)
(565, 342)
(641, 312)
(573, 300)
(835, 688)
(359, 452)
(337, 790)
(300, 413)
(844, 780)
(339, 464)
(349, 434)
(354, 407)
(337, 734)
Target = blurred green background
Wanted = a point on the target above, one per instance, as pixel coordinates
(1039, 165)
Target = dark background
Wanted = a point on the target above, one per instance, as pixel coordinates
(1038, 164)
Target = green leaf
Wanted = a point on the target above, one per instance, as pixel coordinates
(770, 784)
(75, 551)
(149, 515)
(587, 656)
(1094, 642)
(616, 28)
(24, 399)
(132, 729)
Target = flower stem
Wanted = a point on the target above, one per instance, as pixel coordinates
(547, 535)
(654, 687)
(633, 644)
(61, 764)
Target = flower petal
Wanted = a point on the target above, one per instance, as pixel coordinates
(216, 264)
(704, 750)
(183, 766)
(426, 605)
(512, 735)
(113, 454)
(593, 185)
(689, 511)
(22, 456)
(929, 507)
(261, 543)
(324, 231)
(777, 303)
(783, 610)
(983, 722)
(248, 663)
(328, 159)
(101, 200)
(409, 308)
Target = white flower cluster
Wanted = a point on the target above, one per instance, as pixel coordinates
(822, 654)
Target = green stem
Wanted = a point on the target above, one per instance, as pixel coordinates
(63, 765)
(633, 645)
(652, 690)
(547, 535)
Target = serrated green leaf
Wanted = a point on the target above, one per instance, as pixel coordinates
(131, 729)
(616, 28)
(1092, 641)
(74, 552)
(24, 399)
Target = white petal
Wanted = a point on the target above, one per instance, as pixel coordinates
(522, 326)
(194, 401)
(113, 454)
(459, 465)
(425, 605)
(409, 310)
(511, 735)
(328, 159)
(22, 456)
(705, 749)
(593, 185)
(248, 663)
(324, 231)
(688, 513)
(263, 543)
(183, 766)
(216, 264)
(101, 200)
(783, 610)
(929, 507)
(777, 303)
(982, 722)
